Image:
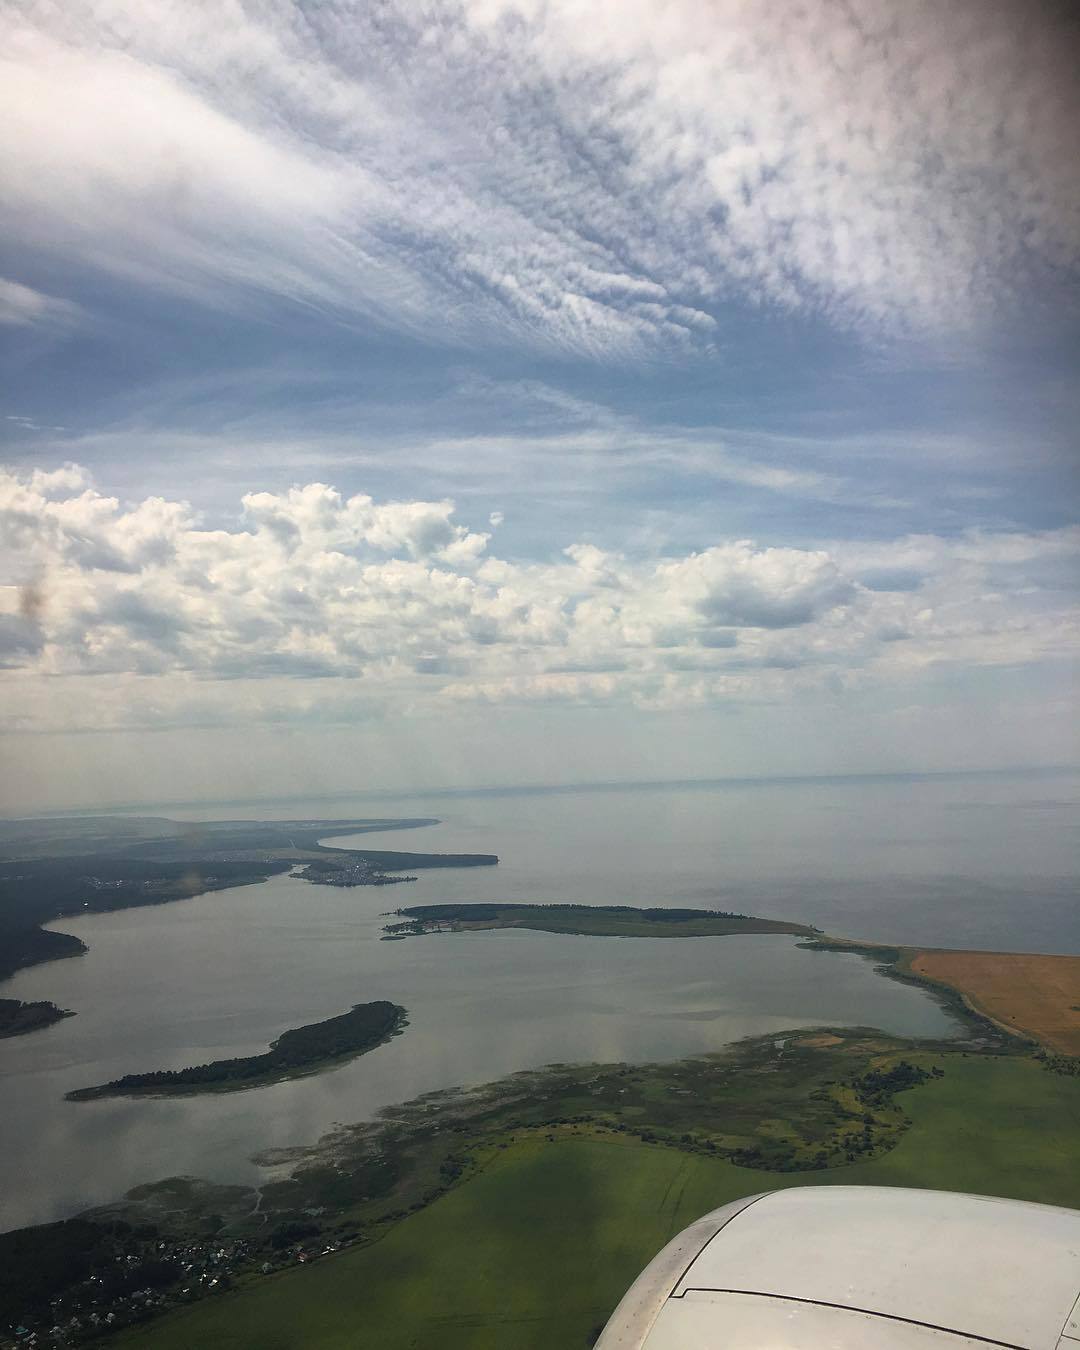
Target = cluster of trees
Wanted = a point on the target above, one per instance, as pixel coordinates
(1064, 1064)
(484, 913)
(21, 944)
(17, 1017)
(388, 860)
(290, 1233)
(362, 1027)
(51, 1260)
(876, 1086)
(613, 919)
(41, 889)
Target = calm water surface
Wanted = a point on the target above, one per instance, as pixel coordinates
(982, 863)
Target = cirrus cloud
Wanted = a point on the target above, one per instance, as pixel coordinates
(603, 177)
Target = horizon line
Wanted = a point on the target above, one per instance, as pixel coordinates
(553, 789)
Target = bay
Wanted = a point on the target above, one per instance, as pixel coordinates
(986, 862)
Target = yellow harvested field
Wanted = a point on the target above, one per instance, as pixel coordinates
(1038, 996)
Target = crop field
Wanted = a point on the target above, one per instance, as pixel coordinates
(534, 1248)
(1038, 996)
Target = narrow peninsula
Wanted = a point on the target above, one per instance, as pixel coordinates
(590, 920)
(17, 1017)
(295, 1053)
(57, 868)
(373, 867)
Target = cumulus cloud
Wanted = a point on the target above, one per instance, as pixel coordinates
(741, 586)
(601, 176)
(317, 515)
(400, 604)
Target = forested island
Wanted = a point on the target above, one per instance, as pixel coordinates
(17, 1017)
(592, 920)
(299, 1051)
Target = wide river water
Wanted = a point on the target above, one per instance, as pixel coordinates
(978, 862)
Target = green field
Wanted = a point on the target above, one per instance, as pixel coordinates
(534, 1250)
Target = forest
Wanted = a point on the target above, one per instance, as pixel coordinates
(294, 1052)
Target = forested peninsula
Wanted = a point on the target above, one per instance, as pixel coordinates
(17, 1017)
(299, 1051)
(55, 867)
(592, 920)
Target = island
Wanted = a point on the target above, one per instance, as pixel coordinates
(295, 1053)
(591, 920)
(17, 1017)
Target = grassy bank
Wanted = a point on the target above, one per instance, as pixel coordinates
(533, 1249)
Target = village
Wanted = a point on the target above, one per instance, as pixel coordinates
(358, 873)
(153, 1274)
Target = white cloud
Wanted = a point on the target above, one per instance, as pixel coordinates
(740, 586)
(317, 515)
(395, 604)
(598, 176)
(21, 306)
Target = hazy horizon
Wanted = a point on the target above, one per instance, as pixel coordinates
(511, 789)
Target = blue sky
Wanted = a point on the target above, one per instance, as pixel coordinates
(519, 391)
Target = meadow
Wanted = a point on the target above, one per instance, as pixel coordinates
(538, 1243)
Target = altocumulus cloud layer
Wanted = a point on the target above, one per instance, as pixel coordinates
(594, 175)
(397, 608)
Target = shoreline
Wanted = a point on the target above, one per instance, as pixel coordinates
(813, 1100)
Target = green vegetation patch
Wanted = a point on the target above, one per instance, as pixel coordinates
(556, 1229)
(299, 1051)
(594, 920)
(798, 1104)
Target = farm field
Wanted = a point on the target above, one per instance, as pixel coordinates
(557, 1229)
(1038, 996)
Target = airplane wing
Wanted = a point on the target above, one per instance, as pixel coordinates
(860, 1268)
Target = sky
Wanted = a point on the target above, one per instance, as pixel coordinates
(403, 395)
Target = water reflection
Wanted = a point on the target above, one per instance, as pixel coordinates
(982, 863)
(223, 974)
